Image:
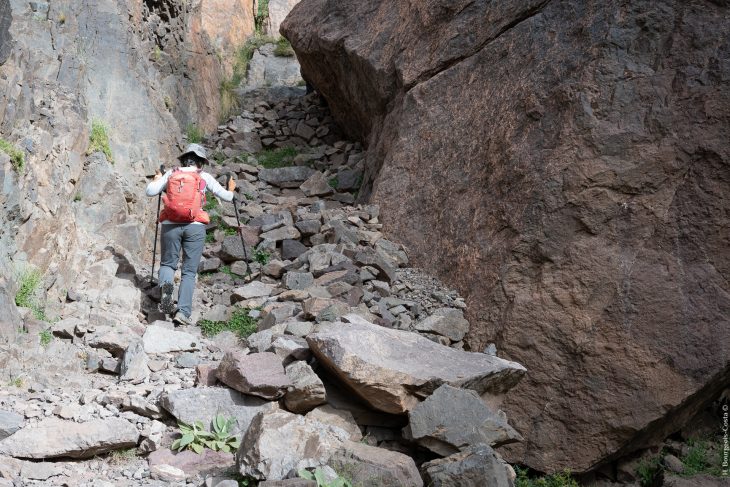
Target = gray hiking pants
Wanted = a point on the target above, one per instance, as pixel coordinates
(191, 238)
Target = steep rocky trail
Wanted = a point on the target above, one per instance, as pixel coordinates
(347, 339)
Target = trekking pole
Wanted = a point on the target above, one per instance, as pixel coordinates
(157, 227)
(240, 233)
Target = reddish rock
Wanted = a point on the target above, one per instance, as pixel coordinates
(569, 164)
(257, 374)
(205, 375)
(208, 462)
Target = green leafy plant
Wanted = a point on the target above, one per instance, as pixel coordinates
(218, 157)
(319, 476)
(283, 48)
(196, 438)
(16, 382)
(246, 481)
(261, 256)
(560, 479)
(240, 323)
(272, 158)
(28, 293)
(46, 337)
(333, 182)
(17, 157)
(698, 460)
(209, 237)
(77, 197)
(194, 134)
(211, 204)
(157, 54)
(261, 15)
(99, 140)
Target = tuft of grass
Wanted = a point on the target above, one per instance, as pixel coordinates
(157, 54)
(218, 157)
(240, 323)
(168, 103)
(280, 157)
(209, 237)
(560, 479)
(120, 457)
(27, 295)
(262, 14)
(16, 382)
(333, 182)
(211, 204)
(648, 469)
(226, 269)
(17, 156)
(194, 134)
(46, 337)
(77, 197)
(261, 256)
(698, 460)
(283, 48)
(99, 140)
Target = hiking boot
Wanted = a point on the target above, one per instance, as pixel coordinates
(181, 319)
(166, 304)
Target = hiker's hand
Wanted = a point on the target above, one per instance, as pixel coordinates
(231, 185)
(158, 175)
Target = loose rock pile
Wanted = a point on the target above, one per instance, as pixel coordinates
(357, 362)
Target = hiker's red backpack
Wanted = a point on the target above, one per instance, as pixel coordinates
(184, 198)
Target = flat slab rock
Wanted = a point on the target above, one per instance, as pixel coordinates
(369, 465)
(476, 466)
(157, 339)
(53, 438)
(393, 370)
(204, 403)
(258, 374)
(208, 462)
(10, 422)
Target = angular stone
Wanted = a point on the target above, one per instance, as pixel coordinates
(308, 227)
(304, 131)
(280, 443)
(291, 249)
(475, 466)
(113, 339)
(209, 265)
(286, 177)
(393, 251)
(370, 466)
(289, 349)
(133, 366)
(276, 314)
(258, 374)
(313, 306)
(348, 179)
(448, 322)
(191, 463)
(316, 185)
(307, 390)
(162, 340)
(392, 369)
(299, 328)
(275, 268)
(10, 422)
(369, 257)
(333, 311)
(232, 250)
(283, 233)
(288, 483)
(451, 419)
(341, 418)
(205, 375)
(298, 280)
(53, 438)
(204, 403)
(255, 289)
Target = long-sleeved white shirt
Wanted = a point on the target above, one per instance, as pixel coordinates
(158, 186)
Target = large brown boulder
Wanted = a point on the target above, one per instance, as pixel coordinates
(568, 163)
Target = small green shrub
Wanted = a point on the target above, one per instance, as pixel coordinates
(27, 295)
(283, 48)
(261, 15)
(261, 256)
(229, 100)
(333, 182)
(319, 476)
(218, 157)
(209, 237)
(46, 337)
(226, 269)
(157, 54)
(194, 134)
(211, 204)
(240, 323)
(99, 140)
(196, 438)
(17, 157)
(16, 382)
(168, 102)
(120, 457)
(272, 158)
(77, 197)
(699, 461)
(561, 479)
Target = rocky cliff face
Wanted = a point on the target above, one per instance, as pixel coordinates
(565, 165)
(143, 69)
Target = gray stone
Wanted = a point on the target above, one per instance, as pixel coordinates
(113, 339)
(204, 403)
(10, 422)
(209, 264)
(280, 443)
(475, 466)
(162, 340)
(369, 257)
(191, 463)
(40, 470)
(257, 374)
(289, 349)
(341, 418)
(392, 251)
(304, 131)
(392, 369)
(298, 280)
(255, 289)
(187, 360)
(452, 419)
(369, 466)
(448, 322)
(133, 366)
(316, 185)
(348, 179)
(283, 233)
(308, 227)
(53, 438)
(307, 390)
(673, 463)
(286, 177)
(232, 250)
(291, 249)
(288, 483)
(276, 314)
(299, 328)
(219, 312)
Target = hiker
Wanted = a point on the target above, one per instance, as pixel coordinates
(183, 226)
